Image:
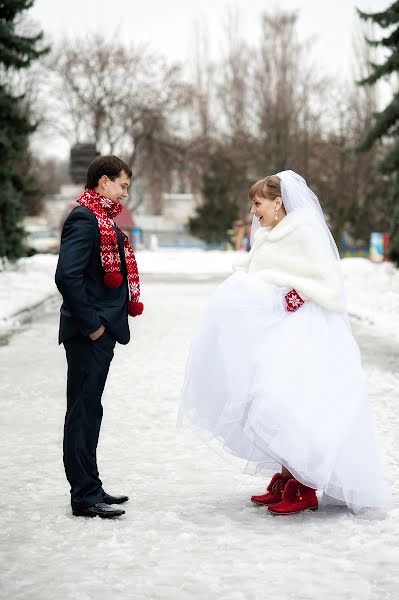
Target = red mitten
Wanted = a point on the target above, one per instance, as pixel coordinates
(293, 301)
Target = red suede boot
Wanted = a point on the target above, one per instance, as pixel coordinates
(296, 497)
(274, 489)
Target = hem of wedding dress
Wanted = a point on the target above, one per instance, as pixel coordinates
(221, 449)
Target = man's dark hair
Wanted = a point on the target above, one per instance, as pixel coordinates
(109, 165)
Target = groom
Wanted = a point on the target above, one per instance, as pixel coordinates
(96, 271)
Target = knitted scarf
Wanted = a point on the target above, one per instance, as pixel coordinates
(105, 210)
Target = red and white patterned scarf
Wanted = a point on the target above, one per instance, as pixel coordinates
(105, 211)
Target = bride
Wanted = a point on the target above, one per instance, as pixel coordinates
(274, 374)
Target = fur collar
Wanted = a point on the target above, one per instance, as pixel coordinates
(290, 255)
(291, 222)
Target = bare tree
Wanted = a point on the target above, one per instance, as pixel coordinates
(234, 79)
(275, 89)
(203, 74)
(262, 108)
(125, 99)
(286, 97)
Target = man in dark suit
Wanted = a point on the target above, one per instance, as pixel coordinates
(93, 318)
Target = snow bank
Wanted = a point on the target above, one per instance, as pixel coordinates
(23, 285)
(373, 292)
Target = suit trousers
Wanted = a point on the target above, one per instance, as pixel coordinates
(88, 366)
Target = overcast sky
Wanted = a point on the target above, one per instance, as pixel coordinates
(168, 25)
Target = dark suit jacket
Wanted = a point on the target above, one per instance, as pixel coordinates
(87, 303)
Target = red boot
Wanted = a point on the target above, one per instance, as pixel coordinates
(275, 491)
(296, 497)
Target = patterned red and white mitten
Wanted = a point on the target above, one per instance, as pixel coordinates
(293, 301)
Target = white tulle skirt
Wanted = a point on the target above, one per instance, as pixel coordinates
(276, 388)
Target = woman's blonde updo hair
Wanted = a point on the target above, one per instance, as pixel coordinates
(268, 187)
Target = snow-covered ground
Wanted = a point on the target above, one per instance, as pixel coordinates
(190, 532)
(373, 289)
(30, 281)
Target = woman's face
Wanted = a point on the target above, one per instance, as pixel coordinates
(265, 211)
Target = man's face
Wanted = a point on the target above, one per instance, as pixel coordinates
(117, 190)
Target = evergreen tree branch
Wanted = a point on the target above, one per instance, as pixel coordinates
(392, 41)
(386, 18)
(390, 66)
(385, 121)
(390, 162)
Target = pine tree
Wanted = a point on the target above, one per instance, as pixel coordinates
(17, 51)
(220, 209)
(386, 122)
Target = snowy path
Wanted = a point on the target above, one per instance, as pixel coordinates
(190, 531)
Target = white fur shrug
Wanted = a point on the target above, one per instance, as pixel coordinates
(295, 254)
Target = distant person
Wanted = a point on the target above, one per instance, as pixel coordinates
(246, 245)
(274, 374)
(239, 233)
(98, 279)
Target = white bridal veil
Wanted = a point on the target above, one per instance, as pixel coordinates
(296, 195)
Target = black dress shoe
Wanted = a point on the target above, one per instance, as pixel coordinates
(108, 499)
(98, 510)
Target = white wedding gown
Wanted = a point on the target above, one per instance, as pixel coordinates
(276, 388)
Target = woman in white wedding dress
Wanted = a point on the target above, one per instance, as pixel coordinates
(274, 374)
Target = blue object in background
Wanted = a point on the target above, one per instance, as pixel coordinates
(137, 234)
(377, 246)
